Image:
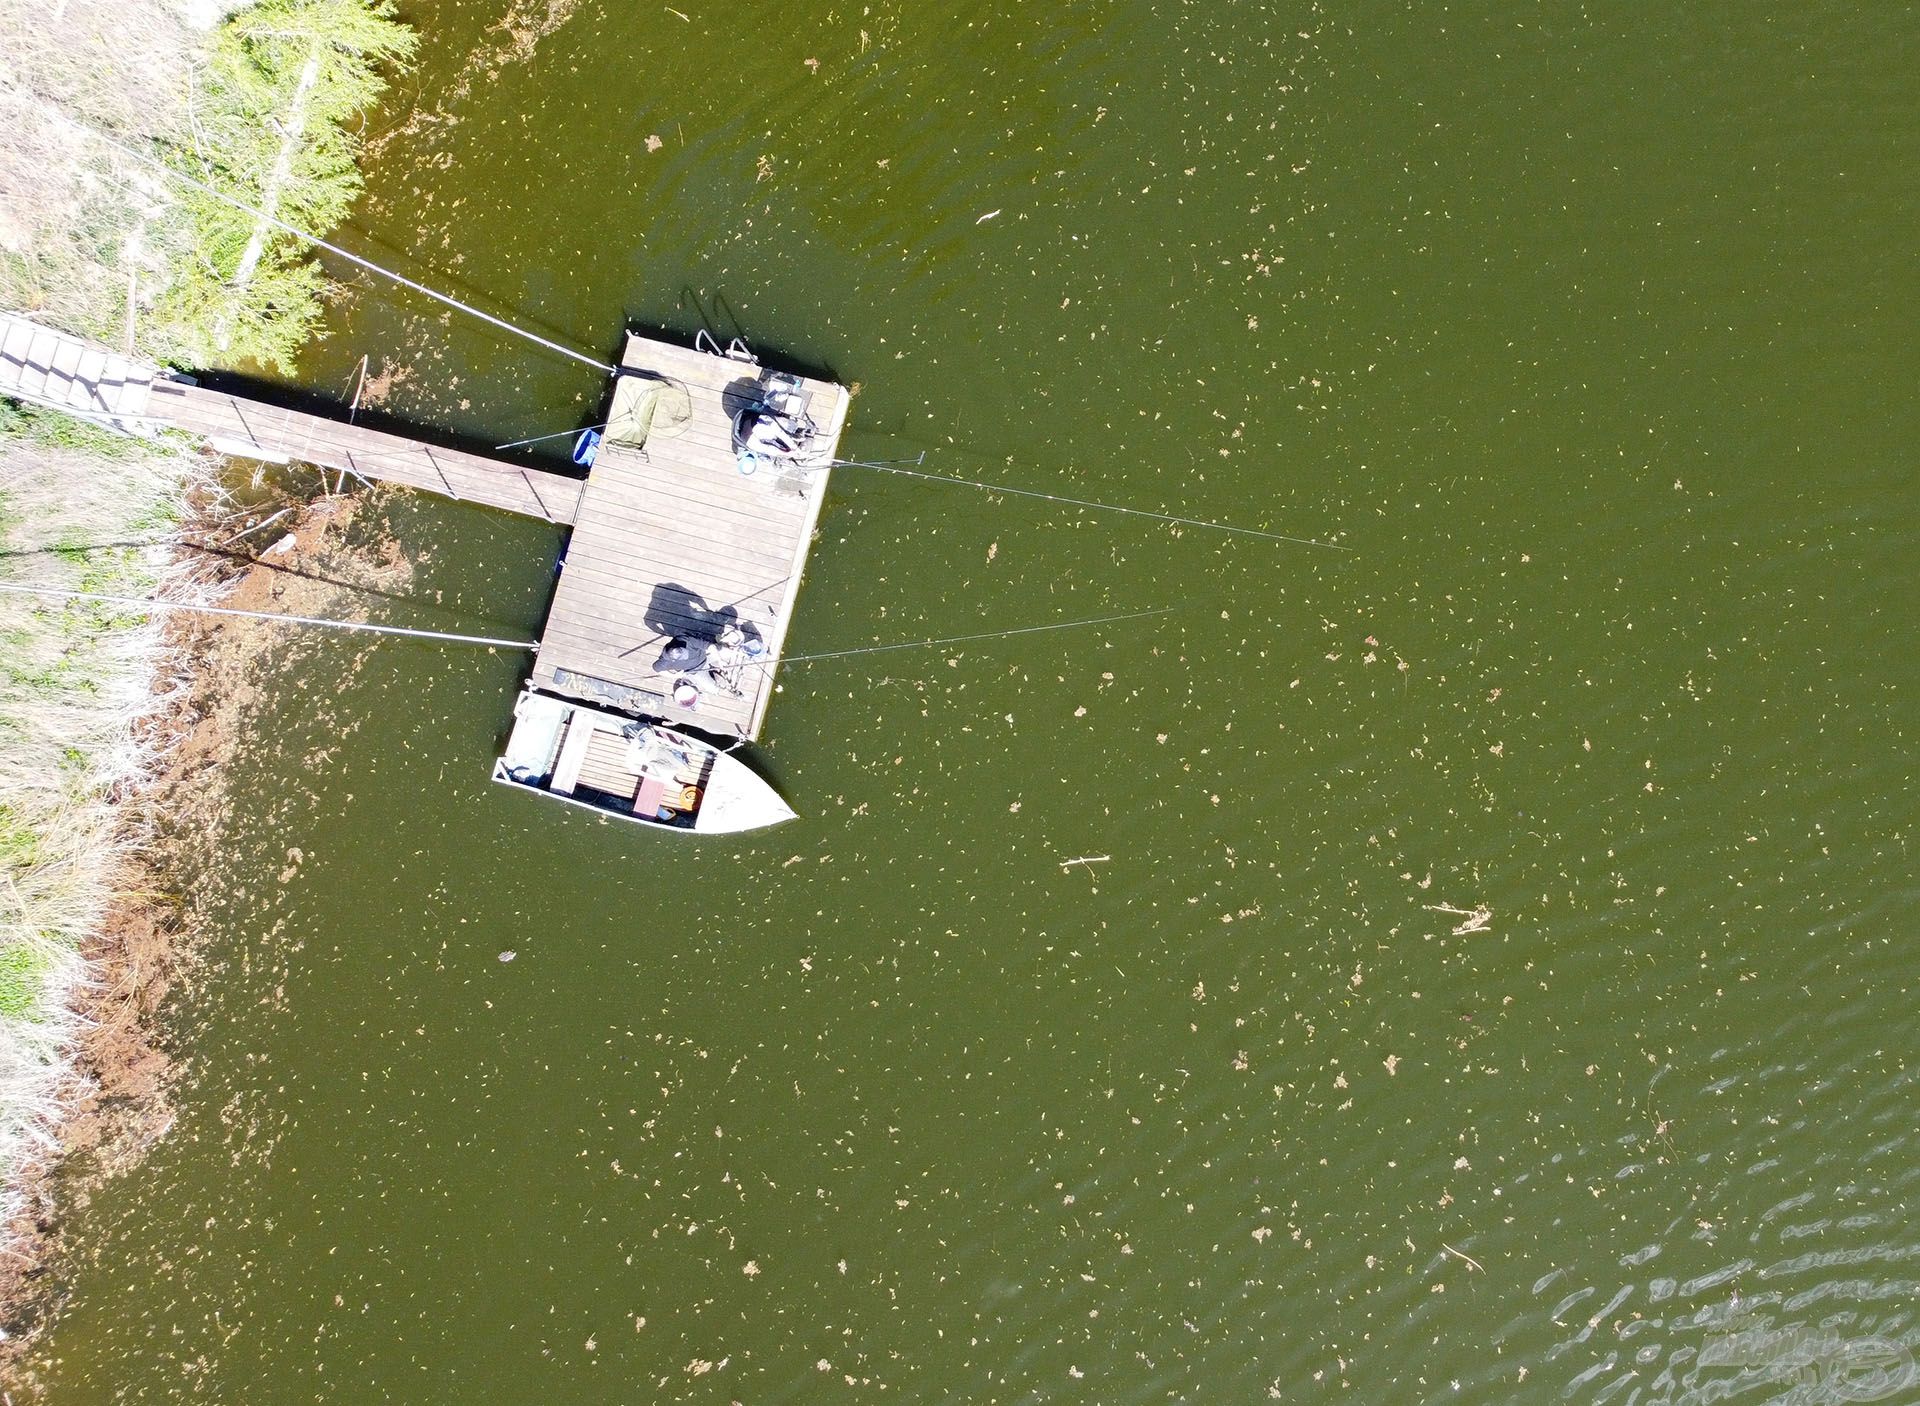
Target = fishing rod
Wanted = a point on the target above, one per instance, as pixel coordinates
(918, 459)
(441, 636)
(315, 239)
(557, 434)
(770, 660)
(137, 603)
(893, 466)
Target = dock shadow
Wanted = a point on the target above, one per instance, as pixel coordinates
(679, 612)
(742, 393)
(680, 331)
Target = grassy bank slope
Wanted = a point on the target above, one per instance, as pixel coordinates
(264, 108)
(83, 510)
(260, 102)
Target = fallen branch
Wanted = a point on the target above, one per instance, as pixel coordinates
(1476, 918)
(1465, 1259)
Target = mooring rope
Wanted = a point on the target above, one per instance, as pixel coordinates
(299, 233)
(139, 603)
(1088, 503)
(962, 639)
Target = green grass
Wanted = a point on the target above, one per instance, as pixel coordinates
(35, 424)
(19, 841)
(23, 972)
(251, 87)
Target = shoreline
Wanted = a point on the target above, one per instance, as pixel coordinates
(118, 1098)
(114, 724)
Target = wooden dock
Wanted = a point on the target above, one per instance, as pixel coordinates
(234, 424)
(46, 367)
(672, 540)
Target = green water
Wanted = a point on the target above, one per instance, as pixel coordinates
(1589, 337)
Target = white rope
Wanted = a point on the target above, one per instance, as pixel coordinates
(962, 639)
(1089, 503)
(139, 604)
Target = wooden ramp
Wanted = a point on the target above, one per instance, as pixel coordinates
(50, 368)
(236, 425)
(672, 540)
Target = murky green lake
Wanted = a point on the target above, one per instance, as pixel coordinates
(1590, 337)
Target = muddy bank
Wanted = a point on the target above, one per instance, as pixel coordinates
(143, 962)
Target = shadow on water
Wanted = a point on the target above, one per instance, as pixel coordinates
(720, 307)
(682, 333)
(554, 455)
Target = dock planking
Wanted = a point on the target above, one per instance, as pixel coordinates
(672, 539)
(50, 368)
(235, 424)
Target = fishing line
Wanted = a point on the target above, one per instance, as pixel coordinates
(964, 639)
(887, 468)
(296, 231)
(138, 604)
(557, 434)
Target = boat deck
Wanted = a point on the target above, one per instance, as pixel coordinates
(672, 540)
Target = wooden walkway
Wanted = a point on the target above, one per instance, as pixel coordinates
(236, 425)
(46, 367)
(670, 539)
(673, 540)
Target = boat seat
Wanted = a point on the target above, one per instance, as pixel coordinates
(646, 801)
(573, 755)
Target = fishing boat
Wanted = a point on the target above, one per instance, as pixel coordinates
(633, 767)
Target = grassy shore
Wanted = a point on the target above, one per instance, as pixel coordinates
(85, 510)
(263, 108)
(260, 101)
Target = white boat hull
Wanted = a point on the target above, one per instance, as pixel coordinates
(738, 799)
(633, 769)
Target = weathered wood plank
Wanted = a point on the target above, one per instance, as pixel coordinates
(681, 514)
(369, 453)
(39, 362)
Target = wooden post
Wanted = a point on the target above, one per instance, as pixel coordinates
(133, 286)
